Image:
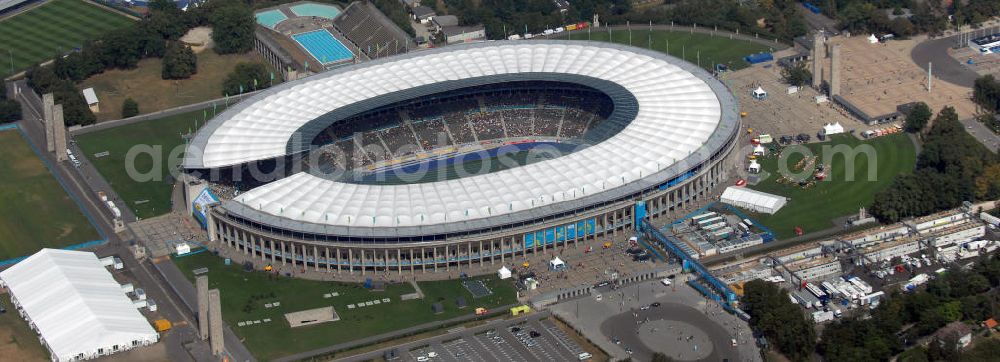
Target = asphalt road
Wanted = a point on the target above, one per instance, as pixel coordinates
(982, 134)
(944, 66)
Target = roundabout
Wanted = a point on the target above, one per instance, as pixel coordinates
(681, 332)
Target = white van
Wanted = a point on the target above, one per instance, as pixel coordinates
(584, 356)
(599, 297)
(666, 282)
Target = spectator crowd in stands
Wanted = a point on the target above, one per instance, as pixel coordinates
(402, 130)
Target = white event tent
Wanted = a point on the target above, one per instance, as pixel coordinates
(75, 305)
(833, 128)
(503, 273)
(557, 264)
(753, 200)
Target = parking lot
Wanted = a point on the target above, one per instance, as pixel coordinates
(534, 337)
(531, 340)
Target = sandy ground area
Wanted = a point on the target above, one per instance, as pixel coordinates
(199, 39)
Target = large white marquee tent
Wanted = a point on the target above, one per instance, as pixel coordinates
(753, 200)
(76, 306)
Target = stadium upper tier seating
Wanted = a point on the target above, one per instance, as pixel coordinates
(425, 125)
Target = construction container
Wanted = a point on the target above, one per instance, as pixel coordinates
(162, 325)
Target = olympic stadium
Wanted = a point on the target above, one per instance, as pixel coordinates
(567, 141)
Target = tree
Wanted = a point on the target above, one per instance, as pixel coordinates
(947, 170)
(232, 28)
(10, 110)
(660, 357)
(796, 74)
(917, 119)
(129, 108)
(781, 322)
(179, 62)
(246, 77)
(901, 26)
(986, 93)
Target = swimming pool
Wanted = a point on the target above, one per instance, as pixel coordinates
(323, 11)
(323, 46)
(270, 18)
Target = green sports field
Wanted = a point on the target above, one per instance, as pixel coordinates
(56, 27)
(151, 197)
(245, 293)
(815, 208)
(689, 46)
(35, 211)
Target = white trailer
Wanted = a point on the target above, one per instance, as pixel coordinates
(812, 288)
(821, 316)
(861, 285)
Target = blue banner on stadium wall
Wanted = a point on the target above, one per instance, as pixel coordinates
(199, 206)
(560, 233)
(640, 212)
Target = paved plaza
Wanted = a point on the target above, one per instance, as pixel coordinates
(783, 113)
(878, 77)
(617, 323)
(162, 233)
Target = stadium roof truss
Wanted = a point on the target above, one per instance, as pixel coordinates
(676, 117)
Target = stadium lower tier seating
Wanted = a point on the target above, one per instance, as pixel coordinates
(407, 129)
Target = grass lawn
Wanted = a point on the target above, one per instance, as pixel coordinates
(146, 198)
(815, 207)
(56, 27)
(35, 211)
(686, 45)
(153, 94)
(17, 341)
(245, 293)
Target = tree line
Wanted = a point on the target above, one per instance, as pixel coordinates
(10, 110)
(155, 36)
(907, 17)
(899, 322)
(781, 322)
(986, 93)
(501, 18)
(952, 167)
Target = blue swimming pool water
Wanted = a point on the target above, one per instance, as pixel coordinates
(323, 11)
(270, 18)
(323, 46)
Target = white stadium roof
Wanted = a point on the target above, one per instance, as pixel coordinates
(75, 304)
(678, 112)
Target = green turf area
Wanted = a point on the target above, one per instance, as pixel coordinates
(686, 45)
(151, 197)
(57, 27)
(17, 341)
(35, 211)
(814, 208)
(245, 293)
